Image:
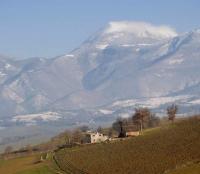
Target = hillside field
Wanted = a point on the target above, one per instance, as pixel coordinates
(163, 150)
(25, 165)
(190, 169)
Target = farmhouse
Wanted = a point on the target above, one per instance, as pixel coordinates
(95, 137)
(132, 133)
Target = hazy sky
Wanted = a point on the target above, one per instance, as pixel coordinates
(48, 28)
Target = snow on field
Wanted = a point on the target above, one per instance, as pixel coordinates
(150, 102)
(32, 118)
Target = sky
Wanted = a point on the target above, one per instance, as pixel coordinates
(48, 28)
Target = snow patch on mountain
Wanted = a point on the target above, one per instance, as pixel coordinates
(176, 61)
(195, 101)
(136, 45)
(154, 102)
(106, 111)
(33, 118)
(101, 46)
(124, 103)
(2, 74)
(69, 55)
(7, 66)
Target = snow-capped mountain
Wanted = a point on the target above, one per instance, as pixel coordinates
(122, 66)
(134, 60)
(125, 61)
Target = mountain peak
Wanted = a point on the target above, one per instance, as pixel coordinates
(140, 29)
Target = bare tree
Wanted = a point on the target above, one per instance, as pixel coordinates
(154, 121)
(29, 149)
(171, 112)
(7, 151)
(141, 115)
(118, 125)
(99, 129)
(110, 132)
(77, 136)
(84, 128)
(67, 137)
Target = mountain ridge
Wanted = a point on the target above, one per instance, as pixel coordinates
(114, 64)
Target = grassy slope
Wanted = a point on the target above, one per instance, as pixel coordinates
(155, 152)
(24, 165)
(191, 169)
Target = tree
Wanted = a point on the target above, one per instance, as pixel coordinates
(77, 136)
(29, 149)
(118, 126)
(110, 132)
(84, 128)
(154, 121)
(141, 116)
(8, 150)
(67, 137)
(99, 129)
(171, 112)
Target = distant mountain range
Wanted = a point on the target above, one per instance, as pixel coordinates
(122, 66)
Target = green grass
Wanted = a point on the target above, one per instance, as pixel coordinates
(156, 151)
(39, 170)
(25, 165)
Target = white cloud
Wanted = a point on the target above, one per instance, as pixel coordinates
(141, 29)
